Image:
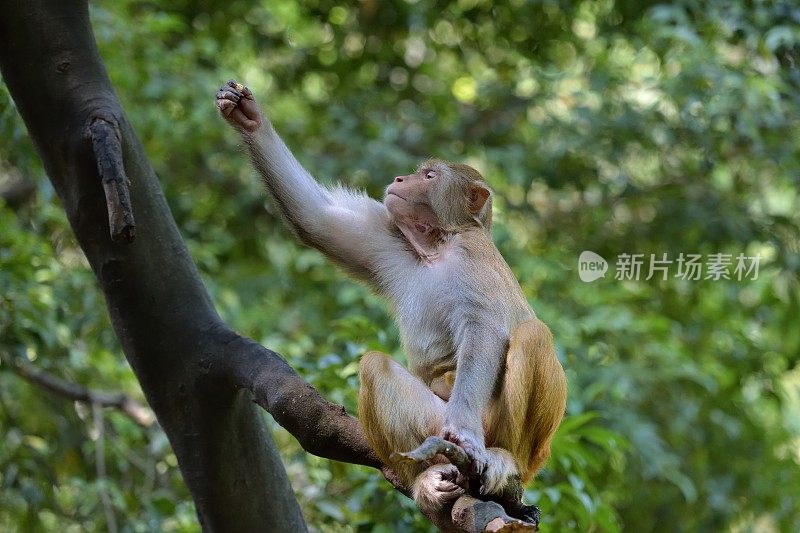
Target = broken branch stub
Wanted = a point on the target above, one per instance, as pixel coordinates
(107, 148)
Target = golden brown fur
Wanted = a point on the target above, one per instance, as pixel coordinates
(521, 419)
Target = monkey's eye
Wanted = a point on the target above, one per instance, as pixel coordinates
(430, 175)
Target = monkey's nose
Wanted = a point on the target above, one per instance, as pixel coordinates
(399, 179)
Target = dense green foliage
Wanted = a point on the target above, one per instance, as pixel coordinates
(617, 127)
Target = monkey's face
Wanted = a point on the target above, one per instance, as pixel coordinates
(408, 197)
(440, 195)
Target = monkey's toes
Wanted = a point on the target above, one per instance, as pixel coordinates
(477, 458)
(530, 513)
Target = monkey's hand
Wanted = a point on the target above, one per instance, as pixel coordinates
(237, 105)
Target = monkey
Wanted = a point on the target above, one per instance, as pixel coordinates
(482, 370)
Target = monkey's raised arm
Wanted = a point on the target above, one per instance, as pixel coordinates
(348, 227)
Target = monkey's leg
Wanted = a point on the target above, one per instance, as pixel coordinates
(398, 412)
(531, 403)
(522, 419)
(397, 409)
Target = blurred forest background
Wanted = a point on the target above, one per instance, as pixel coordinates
(612, 126)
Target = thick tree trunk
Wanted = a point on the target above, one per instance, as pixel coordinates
(168, 328)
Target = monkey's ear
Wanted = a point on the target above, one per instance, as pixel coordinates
(478, 195)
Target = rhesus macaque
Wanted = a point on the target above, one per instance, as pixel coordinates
(482, 370)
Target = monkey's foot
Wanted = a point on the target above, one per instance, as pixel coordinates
(509, 497)
(527, 513)
(433, 446)
(437, 487)
(499, 468)
(472, 442)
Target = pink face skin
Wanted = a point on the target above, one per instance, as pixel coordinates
(407, 200)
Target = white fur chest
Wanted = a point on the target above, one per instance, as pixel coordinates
(424, 302)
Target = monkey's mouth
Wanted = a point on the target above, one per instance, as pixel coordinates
(395, 194)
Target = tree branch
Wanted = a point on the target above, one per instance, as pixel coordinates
(470, 514)
(322, 428)
(73, 391)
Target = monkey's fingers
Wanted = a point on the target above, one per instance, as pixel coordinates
(236, 87)
(450, 488)
(234, 115)
(227, 88)
(240, 111)
(449, 481)
(240, 90)
(226, 107)
(233, 84)
(227, 102)
(228, 94)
